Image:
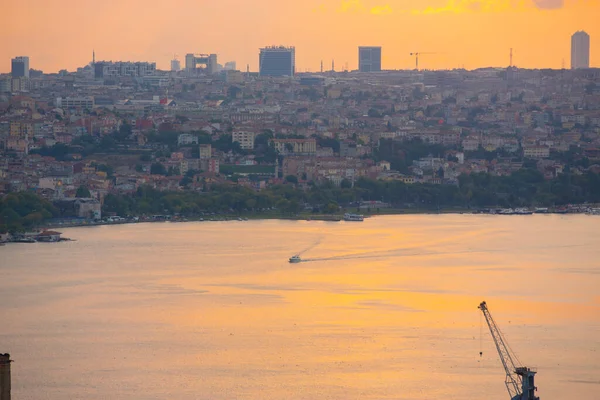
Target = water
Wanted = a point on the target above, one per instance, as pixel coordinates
(213, 310)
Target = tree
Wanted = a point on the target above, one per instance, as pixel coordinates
(83, 191)
(158, 169)
(331, 208)
(292, 179)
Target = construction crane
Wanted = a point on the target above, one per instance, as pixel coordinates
(519, 380)
(417, 54)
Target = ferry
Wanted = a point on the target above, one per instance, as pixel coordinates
(353, 217)
(295, 259)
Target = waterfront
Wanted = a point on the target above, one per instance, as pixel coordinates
(213, 310)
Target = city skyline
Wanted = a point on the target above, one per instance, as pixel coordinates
(464, 33)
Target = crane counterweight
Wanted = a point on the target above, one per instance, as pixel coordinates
(519, 381)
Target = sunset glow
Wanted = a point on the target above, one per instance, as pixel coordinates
(470, 33)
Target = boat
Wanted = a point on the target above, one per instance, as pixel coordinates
(295, 259)
(523, 211)
(353, 217)
(507, 211)
(24, 240)
(542, 210)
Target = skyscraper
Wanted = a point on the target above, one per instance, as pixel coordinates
(277, 61)
(580, 50)
(175, 65)
(20, 67)
(369, 59)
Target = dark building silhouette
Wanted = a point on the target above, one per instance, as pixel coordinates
(580, 50)
(20, 67)
(369, 59)
(5, 376)
(277, 61)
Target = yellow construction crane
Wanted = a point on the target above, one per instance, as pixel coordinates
(417, 54)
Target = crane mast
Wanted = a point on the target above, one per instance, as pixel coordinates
(519, 381)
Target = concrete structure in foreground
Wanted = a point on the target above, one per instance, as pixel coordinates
(580, 50)
(369, 59)
(5, 376)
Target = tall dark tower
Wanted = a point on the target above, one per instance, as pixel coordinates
(5, 376)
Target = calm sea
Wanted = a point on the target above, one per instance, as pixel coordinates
(384, 309)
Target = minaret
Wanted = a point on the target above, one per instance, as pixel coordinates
(332, 66)
(321, 66)
(93, 57)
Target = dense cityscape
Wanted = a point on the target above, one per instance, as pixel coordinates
(125, 140)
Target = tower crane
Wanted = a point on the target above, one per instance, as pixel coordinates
(417, 54)
(519, 380)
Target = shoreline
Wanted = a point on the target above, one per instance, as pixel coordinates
(298, 217)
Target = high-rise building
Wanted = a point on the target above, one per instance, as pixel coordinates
(277, 61)
(580, 50)
(230, 66)
(209, 61)
(20, 67)
(369, 59)
(175, 65)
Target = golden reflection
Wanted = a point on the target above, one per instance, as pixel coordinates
(229, 317)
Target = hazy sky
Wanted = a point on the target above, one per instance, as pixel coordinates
(59, 34)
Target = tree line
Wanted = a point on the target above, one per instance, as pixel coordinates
(524, 188)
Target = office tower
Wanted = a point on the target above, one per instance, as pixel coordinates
(20, 67)
(580, 50)
(208, 63)
(277, 61)
(230, 66)
(369, 59)
(175, 65)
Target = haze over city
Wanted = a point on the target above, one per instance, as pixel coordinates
(464, 33)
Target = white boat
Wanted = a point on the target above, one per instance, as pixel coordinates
(353, 217)
(523, 211)
(295, 259)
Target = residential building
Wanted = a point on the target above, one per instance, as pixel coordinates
(536, 152)
(295, 146)
(245, 139)
(187, 139)
(277, 61)
(580, 50)
(75, 102)
(369, 59)
(175, 65)
(205, 151)
(20, 67)
(109, 69)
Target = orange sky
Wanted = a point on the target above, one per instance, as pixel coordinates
(58, 34)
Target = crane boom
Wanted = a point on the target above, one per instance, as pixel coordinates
(519, 380)
(417, 54)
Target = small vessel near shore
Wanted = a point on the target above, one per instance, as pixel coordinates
(295, 259)
(353, 217)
